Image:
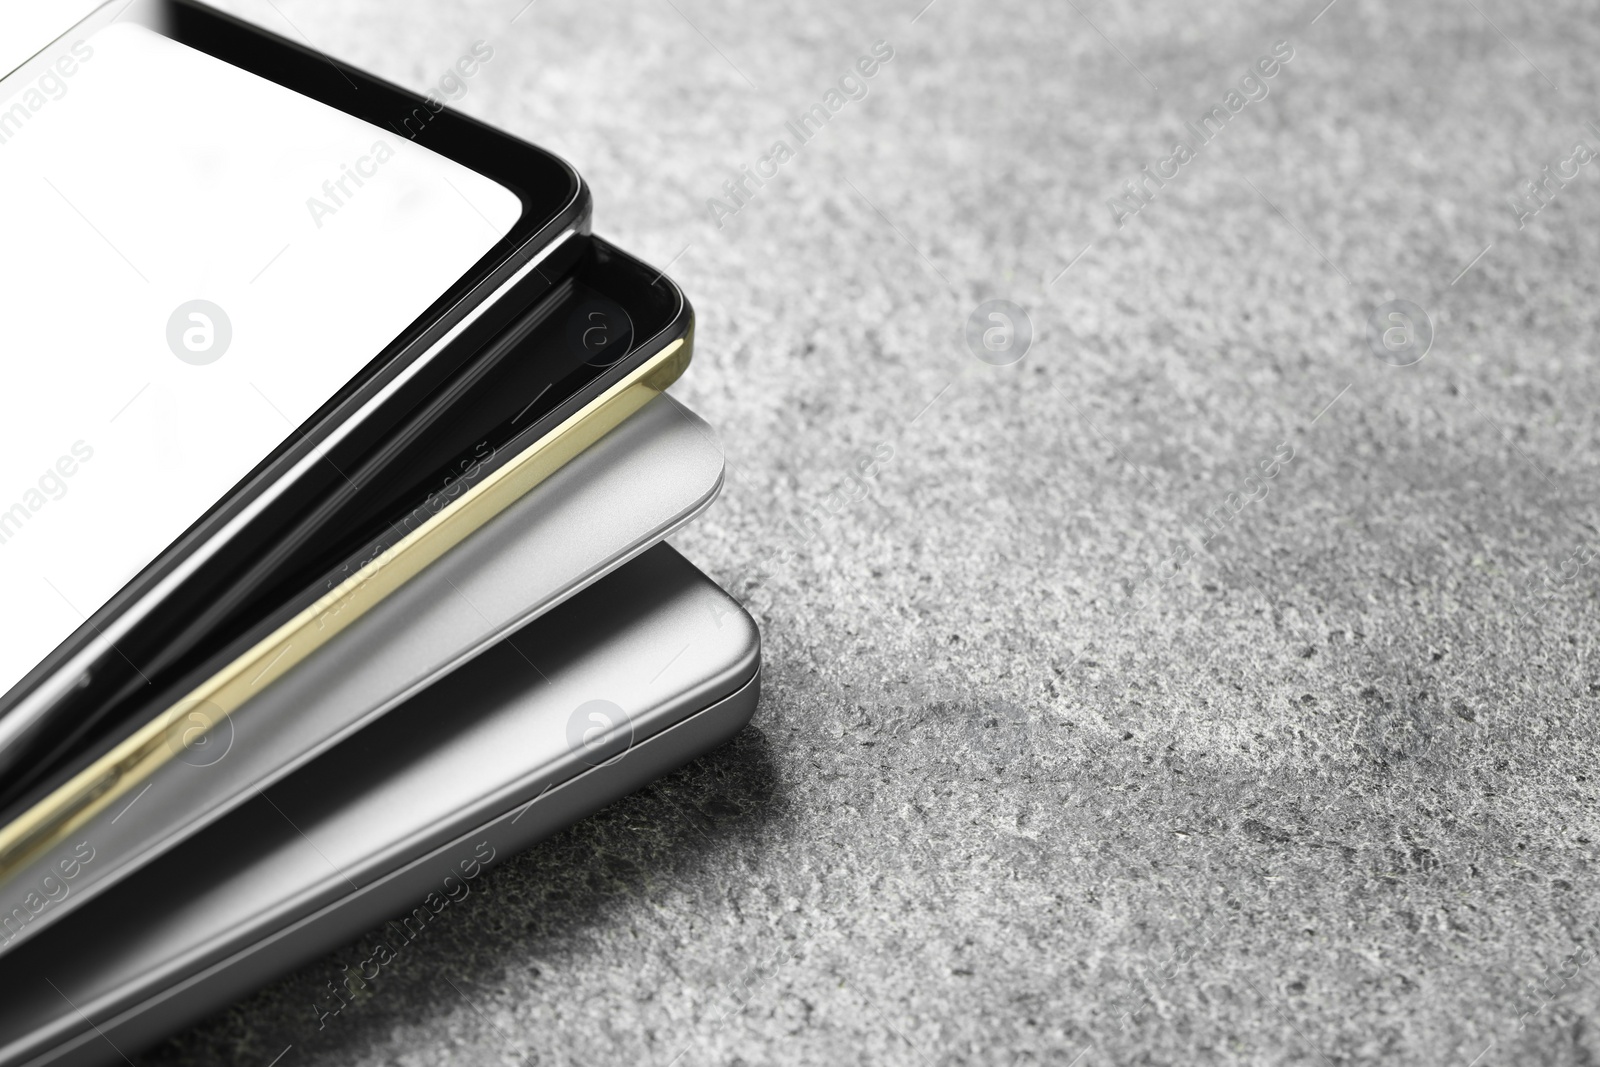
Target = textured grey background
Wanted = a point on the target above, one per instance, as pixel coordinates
(1325, 794)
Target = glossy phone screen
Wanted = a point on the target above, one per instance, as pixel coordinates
(195, 259)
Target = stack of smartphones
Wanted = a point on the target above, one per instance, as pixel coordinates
(337, 465)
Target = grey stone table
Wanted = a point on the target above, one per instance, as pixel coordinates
(1199, 687)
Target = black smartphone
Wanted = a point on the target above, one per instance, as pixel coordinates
(601, 342)
(584, 332)
(232, 267)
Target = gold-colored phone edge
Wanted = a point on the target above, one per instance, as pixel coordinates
(69, 807)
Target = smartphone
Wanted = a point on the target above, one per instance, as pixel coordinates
(646, 670)
(594, 326)
(402, 529)
(232, 266)
(636, 486)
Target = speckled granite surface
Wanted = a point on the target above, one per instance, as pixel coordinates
(1083, 741)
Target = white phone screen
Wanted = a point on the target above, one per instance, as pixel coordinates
(194, 260)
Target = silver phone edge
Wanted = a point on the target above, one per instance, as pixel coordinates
(148, 1021)
(155, 849)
